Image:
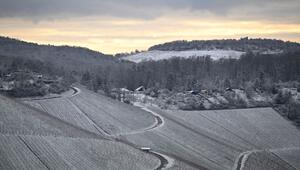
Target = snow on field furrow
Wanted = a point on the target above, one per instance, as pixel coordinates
(46, 153)
(164, 144)
(122, 111)
(113, 116)
(290, 155)
(101, 118)
(33, 152)
(34, 104)
(280, 132)
(157, 55)
(237, 125)
(264, 127)
(95, 154)
(14, 154)
(203, 128)
(216, 138)
(179, 165)
(210, 127)
(265, 160)
(105, 108)
(62, 109)
(216, 151)
(19, 118)
(175, 140)
(198, 131)
(16, 118)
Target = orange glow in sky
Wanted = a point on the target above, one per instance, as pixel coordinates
(112, 35)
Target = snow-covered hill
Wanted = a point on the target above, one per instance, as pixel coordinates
(156, 55)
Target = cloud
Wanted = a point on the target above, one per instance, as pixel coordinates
(274, 10)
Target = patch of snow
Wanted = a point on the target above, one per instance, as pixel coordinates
(272, 52)
(221, 98)
(241, 95)
(162, 55)
(169, 159)
(206, 104)
(213, 100)
(259, 98)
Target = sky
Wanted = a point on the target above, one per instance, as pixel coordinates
(113, 26)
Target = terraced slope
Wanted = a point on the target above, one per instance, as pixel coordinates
(264, 160)
(215, 139)
(290, 155)
(178, 139)
(32, 152)
(64, 109)
(17, 118)
(33, 139)
(104, 116)
(96, 113)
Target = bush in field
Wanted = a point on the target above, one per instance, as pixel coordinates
(282, 97)
(57, 88)
(293, 111)
(27, 91)
(235, 100)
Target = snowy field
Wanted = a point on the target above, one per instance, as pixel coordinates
(33, 139)
(215, 139)
(39, 152)
(163, 55)
(17, 118)
(88, 130)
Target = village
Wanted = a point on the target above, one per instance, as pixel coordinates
(26, 83)
(282, 98)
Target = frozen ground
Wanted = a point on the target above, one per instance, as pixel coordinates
(40, 152)
(86, 130)
(162, 55)
(215, 139)
(34, 139)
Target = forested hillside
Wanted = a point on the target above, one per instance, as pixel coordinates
(62, 57)
(204, 73)
(254, 80)
(243, 44)
(29, 69)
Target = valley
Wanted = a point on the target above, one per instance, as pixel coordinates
(177, 139)
(179, 105)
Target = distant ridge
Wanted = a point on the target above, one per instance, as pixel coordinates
(243, 44)
(68, 57)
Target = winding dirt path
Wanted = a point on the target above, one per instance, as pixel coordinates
(165, 161)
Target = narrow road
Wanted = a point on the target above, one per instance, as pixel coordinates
(159, 122)
(165, 161)
(70, 93)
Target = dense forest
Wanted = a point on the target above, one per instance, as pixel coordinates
(76, 59)
(254, 74)
(244, 44)
(262, 71)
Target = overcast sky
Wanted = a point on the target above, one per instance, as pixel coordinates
(114, 26)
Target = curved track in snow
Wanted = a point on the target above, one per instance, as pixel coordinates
(165, 161)
(159, 122)
(70, 93)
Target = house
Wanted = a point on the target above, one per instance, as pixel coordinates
(228, 89)
(193, 92)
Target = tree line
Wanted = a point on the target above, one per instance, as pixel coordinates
(177, 74)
